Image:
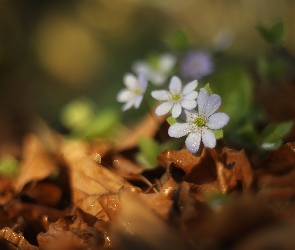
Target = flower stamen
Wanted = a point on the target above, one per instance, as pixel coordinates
(200, 121)
(176, 97)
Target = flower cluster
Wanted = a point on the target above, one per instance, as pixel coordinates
(197, 111)
(200, 125)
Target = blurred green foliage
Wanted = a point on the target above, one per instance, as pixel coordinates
(8, 166)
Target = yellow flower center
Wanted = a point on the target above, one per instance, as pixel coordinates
(200, 121)
(137, 91)
(176, 97)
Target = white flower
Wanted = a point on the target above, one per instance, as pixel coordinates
(175, 99)
(133, 95)
(199, 125)
(158, 70)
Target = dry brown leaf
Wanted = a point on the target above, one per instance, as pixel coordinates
(43, 193)
(209, 172)
(279, 236)
(125, 166)
(16, 240)
(36, 165)
(71, 232)
(147, 127)
(6, 189)
(161, 202)
(235, 220)
(90, 181)
(138, 227)
(274, 179)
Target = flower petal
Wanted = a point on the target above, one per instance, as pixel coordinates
(212, 104)
(191, 86)
(178, 130)
(208, 138)
(140, 66)
(189, 115)
(125, 95)
(128, 105)
(202, 99)
(191, 96)
(157, 79)
(193, 141)
(176, 110)
(167, 62)
(138, 101)
(161, 95)
(188, 104)
(175, 85)
(163, 108)
(217, 120)
(142, 81)
(130, 81)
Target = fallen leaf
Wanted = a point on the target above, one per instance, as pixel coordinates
(138, 227)
(147, 127)
(36, 165)
(15, 240)
(227, 172)
(91, 181)
(274, 179)
(71, 232)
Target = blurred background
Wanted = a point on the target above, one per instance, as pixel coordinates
(55, 51)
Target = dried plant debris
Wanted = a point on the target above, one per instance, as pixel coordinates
(90, 196)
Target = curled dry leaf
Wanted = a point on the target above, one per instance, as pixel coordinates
(6, 189)
(161, 202)
(36, 165)
(227, 172)
(91, 182)
(15, 240)
(274, 179)
(236, 219)
(71, 232)
(43, 193)
(281, 236)
(147, 127)
(138, 227)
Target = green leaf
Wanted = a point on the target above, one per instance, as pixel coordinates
(207, 87)
(274, 34)
(178, 41)
(103, 124)
(216, 200)
(8, 166)
(271, 69)
(149, 151)
(245, 136)
(271, 136)
(77, 115)
(171, 120)
(218, 133)
(234, 85)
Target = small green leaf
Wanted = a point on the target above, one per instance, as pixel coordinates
(218, 133)
(103, 124)
(171, 120)
(207, 87)
(149, 151)
(245, 136)
(8, 166)
(271, 136)
(77, 114)
(216, 200)
(178, 41)
(274, 34)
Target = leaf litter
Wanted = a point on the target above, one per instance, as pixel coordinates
(93, 195)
